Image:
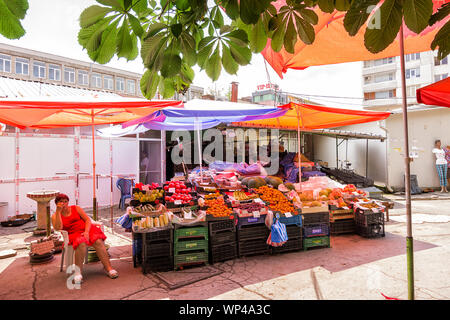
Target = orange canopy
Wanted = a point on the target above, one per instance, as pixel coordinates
(52, 112)
(333, 44)
(315, 117)
(435, 94)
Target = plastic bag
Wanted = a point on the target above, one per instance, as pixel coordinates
(125, 221)
(278, 235)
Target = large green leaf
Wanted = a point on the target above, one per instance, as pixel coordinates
(343, 5)
(171, 65)
(442, 40)
(167, 87)
(188, 48)
(136, 25)
(110, 3)
(92, 15)
(250, 10)
(231, 8)
(278, 35)
(151, 48)
(107, 47)
(228, 62)
(213, 65)
(139, 6)
(417, 13)
(126, 43)
(204, 53)
(90, 38)
(242, 55)
(149, 84)
(10, 26)
(357, 15)
(305, 30)
(378, 38)
(187, 74)
(18, 8)
(290, 38)
(154, 28)
(442, 12)
(309, 15)
(258, 37)
(326, 5)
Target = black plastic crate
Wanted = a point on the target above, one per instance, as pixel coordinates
(136, 248)
(165, 234)
(371, 230)
(367, 217)
(249, 221)
(314, 218)
(294, 231)
(252, 247)
(218, 226)
(158, 249)
(158, 264)
(253, 232)
(316, 230)
(343, 226)
(223, 252)
(295, 244)
(222, 237)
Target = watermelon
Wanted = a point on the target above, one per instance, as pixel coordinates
(289, 185)
(273, 181)
(256, 182)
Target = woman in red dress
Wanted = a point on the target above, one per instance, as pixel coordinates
(82, 233)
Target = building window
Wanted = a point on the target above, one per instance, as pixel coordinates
(22, 66)
(38, 69)
(131, 87)
(440, 77)
(438, 62)
(384, 77)
(385, 94)
(108, 82)
(120, 84)
(69, 75)
(411, 91)
(412, 56)
(96, 80)
(411, 73)
(369, 95)
(380, 62)
(367, 79)
(83, 78)
(54, 72)
(5, 63)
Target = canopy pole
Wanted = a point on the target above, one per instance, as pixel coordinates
(409, 237)
(197, 123)
(299, 148)
(367, 157)
(94, 199)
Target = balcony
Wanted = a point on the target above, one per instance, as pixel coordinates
(378, 69)
(382, 102)
(380, 86)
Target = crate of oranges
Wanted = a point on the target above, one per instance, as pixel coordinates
(275, 199)
(217, 209)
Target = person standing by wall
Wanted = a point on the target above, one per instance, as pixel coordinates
(441, 165)
(447, 157)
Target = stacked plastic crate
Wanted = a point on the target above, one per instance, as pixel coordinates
(294, 232)
(222, 240)
(342, 221)
(190, 244)
(252, 235)
(157, 250)
(316, 227)
(370, 221)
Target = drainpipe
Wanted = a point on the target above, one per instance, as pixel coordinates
(387, 164)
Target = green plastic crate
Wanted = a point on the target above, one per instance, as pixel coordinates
(195, 257)
(316, 242)
(191, 232)
(191, 245)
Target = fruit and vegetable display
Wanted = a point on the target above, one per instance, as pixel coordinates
(177, 187)
(152, 222)
(253, 182)
(249, 209)
(217, 208)
(177, 193)
(242, 196)
(144, 187)
(275, 199)
(155, 195)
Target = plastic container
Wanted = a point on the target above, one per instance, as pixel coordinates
(216, 226)
(371, 230)
(316, 230)
(245, 221)
(294, 220)
(191, 232)
(190, 258)
(223, 252)
(158, 264)
(367, 217)
(252, 247)
(157, 249)
(343, 226)
(294, 232)
(222, 237)
(316, 242)
(289, 246)
(183, 246)
(313, 218)
(253, 232)
(164, 234)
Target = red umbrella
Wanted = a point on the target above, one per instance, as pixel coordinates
(435, 94)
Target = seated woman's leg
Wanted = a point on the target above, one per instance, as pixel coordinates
(100, 248)
(80, 255)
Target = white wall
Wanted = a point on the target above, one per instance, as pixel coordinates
(424, 128)
(325, 150)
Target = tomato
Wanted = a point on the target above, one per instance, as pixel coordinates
(167, 198)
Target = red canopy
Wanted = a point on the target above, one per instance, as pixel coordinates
(435, 94)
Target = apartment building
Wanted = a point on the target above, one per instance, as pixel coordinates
(29, 65)
(270, 95)
(382, 86)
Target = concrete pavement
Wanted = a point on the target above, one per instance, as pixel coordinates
(353, 268)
